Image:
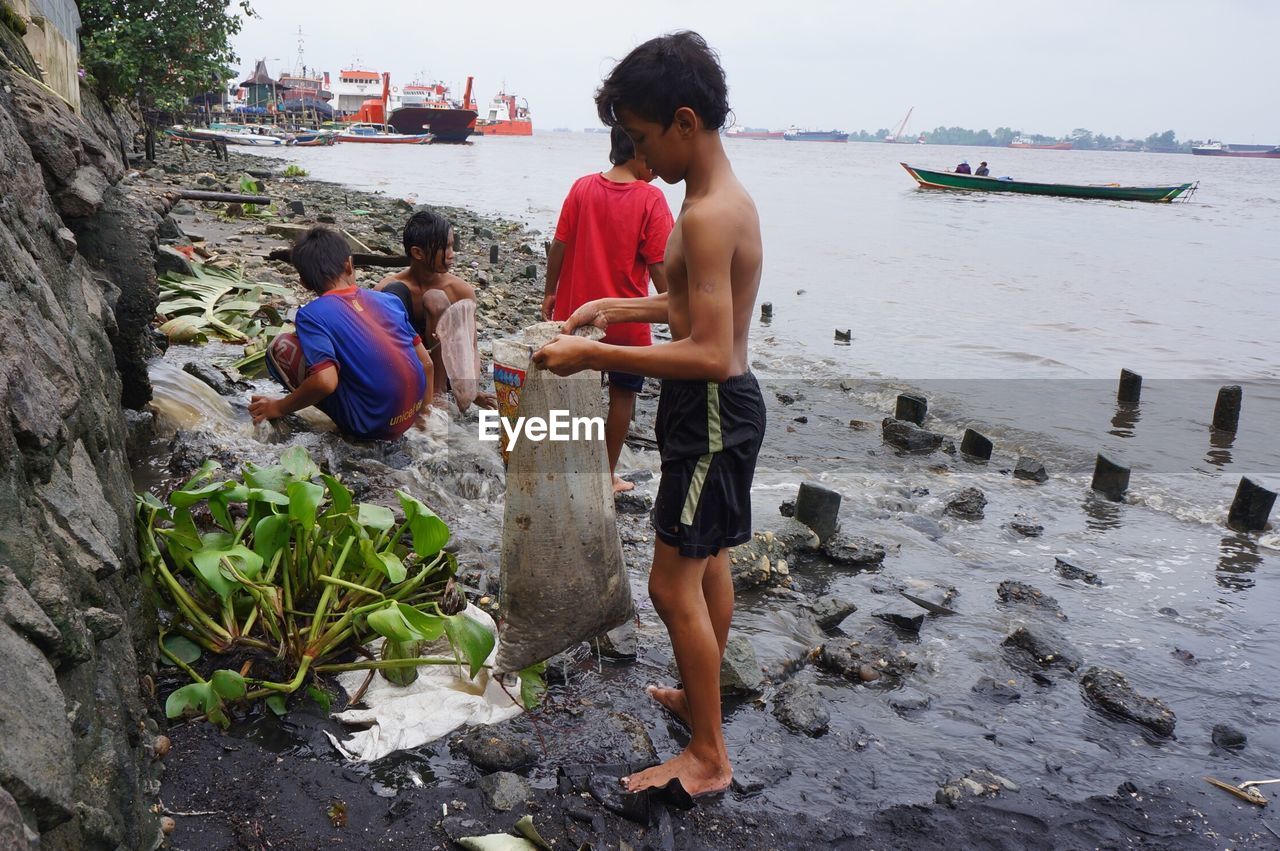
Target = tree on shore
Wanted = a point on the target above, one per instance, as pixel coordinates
(160, 53)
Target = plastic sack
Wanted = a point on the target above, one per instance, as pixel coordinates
(456, 330)
(563, 577)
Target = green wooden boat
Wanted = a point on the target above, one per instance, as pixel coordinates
(1113, 192)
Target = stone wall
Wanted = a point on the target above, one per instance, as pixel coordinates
(76, 294)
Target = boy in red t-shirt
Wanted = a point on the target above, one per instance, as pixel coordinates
(609, 242)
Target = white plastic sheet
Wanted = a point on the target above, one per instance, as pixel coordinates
(438, 702)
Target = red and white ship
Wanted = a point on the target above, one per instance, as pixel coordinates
(428, 107)
(508, 116)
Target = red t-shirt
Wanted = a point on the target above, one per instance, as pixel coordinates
(612, 233)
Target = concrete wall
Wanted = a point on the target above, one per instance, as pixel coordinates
(53, 38)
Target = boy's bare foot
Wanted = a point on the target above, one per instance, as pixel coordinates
(620, 484)
(697, 776)
(673, 699)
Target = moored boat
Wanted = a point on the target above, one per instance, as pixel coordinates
(737, 131)
(227, 137)
(1218, 149)
(506, 117)
(1111, 191)
(795, 134)
(428, 107)
(381, 134)
(317, 139)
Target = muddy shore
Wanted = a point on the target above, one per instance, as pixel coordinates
(270, 784)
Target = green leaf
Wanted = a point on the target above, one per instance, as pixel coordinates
(268, 496)
(202, 476)
(533, 684)
(182, 648)
(395, 650)
(297, 462)
(304, 501)
(390, 623)
(228, 684)
(470, 638)
(339, 495)
(273, 478)
(188, 497)
(429, 532)
(385, 563)
(150, 500)
(190, 698)
(425, 626)
(277, 704)
(377, 517)
(208, 566)
(321, 697)
(246, 561)
(271, 535)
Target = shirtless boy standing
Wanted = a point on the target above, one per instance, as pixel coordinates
(669, 94)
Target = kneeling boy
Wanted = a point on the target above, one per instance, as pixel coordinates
(354, 355)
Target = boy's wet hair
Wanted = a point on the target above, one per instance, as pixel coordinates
(320, 256)
(428, 231)
(622, 149)
(662, 75)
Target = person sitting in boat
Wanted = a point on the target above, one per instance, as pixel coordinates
(354, 354)
(963, 168)
(441, 307)
(982, 171)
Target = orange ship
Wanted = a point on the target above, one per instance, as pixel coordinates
(506, 117)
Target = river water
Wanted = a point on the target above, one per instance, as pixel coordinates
(1014, 316)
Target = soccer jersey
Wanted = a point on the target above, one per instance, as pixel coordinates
(612, 233)
(366, 336)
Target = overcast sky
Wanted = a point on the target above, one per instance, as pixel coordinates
(1203, 68)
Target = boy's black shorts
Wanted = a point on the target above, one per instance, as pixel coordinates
(708, 436)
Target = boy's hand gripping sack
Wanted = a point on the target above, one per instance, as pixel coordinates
(563, 577)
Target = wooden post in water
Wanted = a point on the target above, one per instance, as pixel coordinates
(1110, 479)
(911, 408)
(819, 509)
(1130, 388)
(1251, 507)
(1226, 413)
(976, 445)
(766, 310)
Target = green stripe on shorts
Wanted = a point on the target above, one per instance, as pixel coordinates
(715, 443)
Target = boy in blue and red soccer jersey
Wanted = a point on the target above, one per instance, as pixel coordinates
(355, 356)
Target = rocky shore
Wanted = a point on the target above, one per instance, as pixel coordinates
(839, 660)
(556, 764)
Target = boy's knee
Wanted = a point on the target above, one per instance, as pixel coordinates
(285, 360)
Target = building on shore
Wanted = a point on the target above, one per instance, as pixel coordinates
(53, 39)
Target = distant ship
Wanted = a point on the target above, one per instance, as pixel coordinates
(1217, 149)
(737, 131)
(426, 107)
(1026, 142)
(506, 117)
(597, 130)
(795, 134)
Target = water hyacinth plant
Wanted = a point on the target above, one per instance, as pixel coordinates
(282, 570)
